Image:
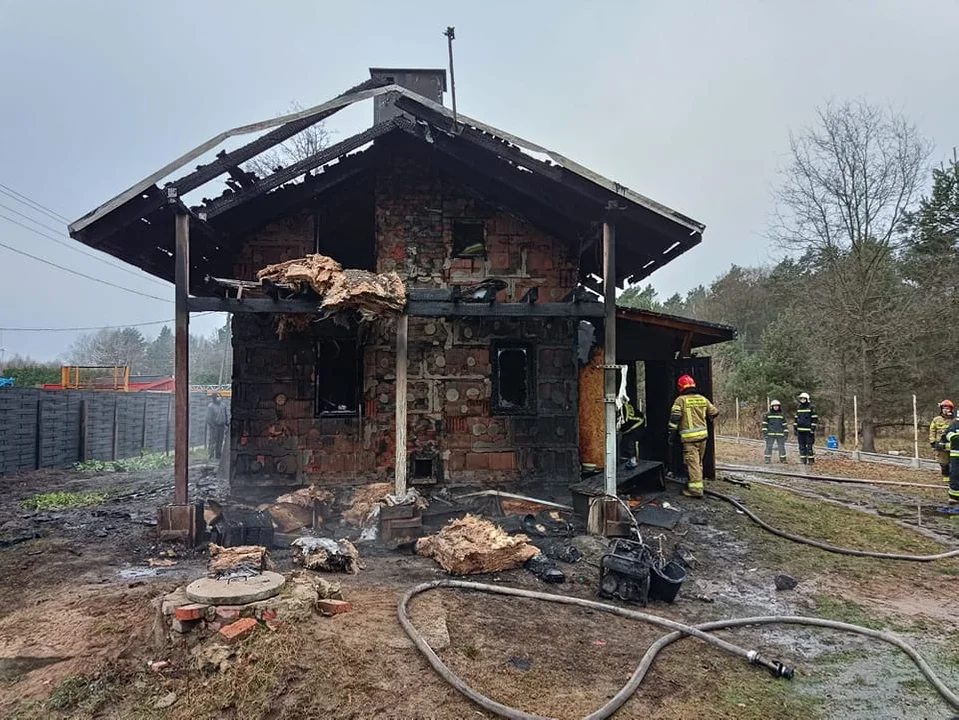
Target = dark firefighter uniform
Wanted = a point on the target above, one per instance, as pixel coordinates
(634, 424)
(951, 439)
(688, 418)
(774, 431)
(804, 425)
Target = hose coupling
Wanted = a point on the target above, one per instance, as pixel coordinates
(778, 669)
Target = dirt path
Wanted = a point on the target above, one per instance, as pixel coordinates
(75, 634)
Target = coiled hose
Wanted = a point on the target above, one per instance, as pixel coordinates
(679, 630)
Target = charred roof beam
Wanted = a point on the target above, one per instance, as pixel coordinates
(271, 182)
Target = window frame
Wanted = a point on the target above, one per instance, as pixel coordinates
(532, 399)
(317, 366)
(459, 253)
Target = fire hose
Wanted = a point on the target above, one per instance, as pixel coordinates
(679, 630)
(826, 546)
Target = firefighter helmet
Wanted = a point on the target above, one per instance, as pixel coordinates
(947, 405)
(804, 396)
(686, 382)
(774, 403)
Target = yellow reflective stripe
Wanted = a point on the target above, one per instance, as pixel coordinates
(694, 485)
(694, 434)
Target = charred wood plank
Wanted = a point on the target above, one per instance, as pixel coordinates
(222, 204)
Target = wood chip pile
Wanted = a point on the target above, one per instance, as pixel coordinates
(240, 559)
(371, 294)
(365, 498)
(474, 545)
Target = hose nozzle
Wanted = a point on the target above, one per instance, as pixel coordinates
(777, 669)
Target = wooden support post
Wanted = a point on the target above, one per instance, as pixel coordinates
(181, 445)
(609, 349)
(402, 331)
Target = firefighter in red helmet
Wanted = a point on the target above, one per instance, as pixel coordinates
(688, 419)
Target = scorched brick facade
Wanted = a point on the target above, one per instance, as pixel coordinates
(458, 429)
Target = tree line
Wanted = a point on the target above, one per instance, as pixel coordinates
(211, 357)
(862, 298)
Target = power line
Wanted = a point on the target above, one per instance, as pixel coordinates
(20, 197)
(80, 274)
(98, 327)
(69, 245)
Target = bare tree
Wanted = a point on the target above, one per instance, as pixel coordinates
(304, 144)
(108, 347)
(850, 182)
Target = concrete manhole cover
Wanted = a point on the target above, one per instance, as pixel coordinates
(237, 591)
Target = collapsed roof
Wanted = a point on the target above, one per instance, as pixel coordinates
(549, 190)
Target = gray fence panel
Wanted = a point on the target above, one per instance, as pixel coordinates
(118, 425)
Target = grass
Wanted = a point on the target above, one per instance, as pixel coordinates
(149, 461)
(64, 500)
(847, 611)
(836, 525)
(75, 696)
(756, 699)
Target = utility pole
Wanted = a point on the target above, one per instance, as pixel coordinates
(450, 36)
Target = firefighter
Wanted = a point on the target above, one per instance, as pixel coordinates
(774, 431)
(804, 425)
(937, 428)
(688, 418)
(634, 423)
(950, 439)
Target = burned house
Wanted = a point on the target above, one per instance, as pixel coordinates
(488, 371)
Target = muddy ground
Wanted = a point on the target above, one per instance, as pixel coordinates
(76, 619)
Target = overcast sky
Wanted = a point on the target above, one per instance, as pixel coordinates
(689, 103)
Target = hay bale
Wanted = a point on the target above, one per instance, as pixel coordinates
(475, 545)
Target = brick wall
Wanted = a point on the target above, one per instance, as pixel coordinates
(279, 441)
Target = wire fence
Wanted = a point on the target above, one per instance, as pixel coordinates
(742, 423)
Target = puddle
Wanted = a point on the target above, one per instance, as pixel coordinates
(13, 668)
(138, 573)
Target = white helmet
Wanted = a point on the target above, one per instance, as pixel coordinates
(804, 396)
(774, 402)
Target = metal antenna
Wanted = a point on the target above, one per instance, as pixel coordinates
(450, 36)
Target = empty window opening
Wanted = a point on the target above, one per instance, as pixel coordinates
(338, 376)
(423, 468)
(469, 238)
(513, 378)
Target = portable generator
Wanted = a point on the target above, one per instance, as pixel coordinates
(624, 572)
